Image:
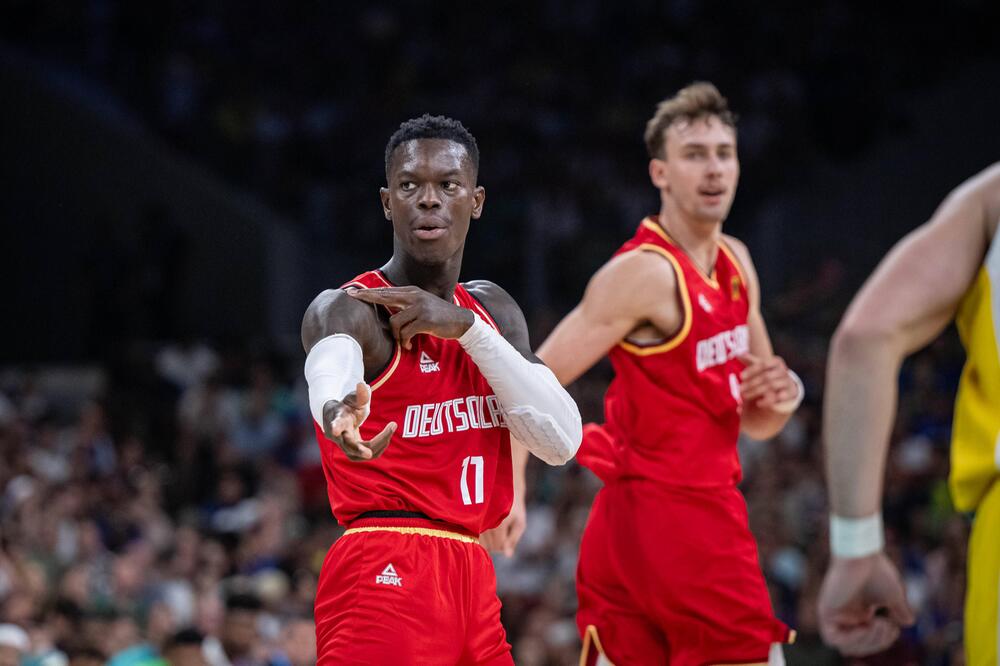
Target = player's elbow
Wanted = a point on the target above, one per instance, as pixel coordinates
(553, 442)
(857, 337)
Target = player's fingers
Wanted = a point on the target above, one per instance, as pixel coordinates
(399, 320)
(354, 447)
(875, 637)
(748, 359)
(380, 442)
(513, 536)
(900, 611)
(408, 331)
(363, 393)
(391, 296)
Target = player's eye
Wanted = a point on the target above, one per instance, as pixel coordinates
(407, 186)
(449, 186)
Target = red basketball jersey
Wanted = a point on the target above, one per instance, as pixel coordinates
(673, 409)
(450, 455)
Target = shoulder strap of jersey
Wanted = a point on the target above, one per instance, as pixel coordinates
(465, 299)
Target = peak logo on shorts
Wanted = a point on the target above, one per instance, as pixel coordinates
(427, 364)
(389, 577)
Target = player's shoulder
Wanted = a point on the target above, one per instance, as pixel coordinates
(500, 304)
(490, 291)
(334, 311)
(739, 250)
(637, 267)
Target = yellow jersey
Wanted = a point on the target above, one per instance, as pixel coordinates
(975, 446)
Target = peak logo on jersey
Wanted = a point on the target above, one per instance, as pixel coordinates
(427, 364)
(389, 577)
(703, 302)
(722, 347)
(476, 412)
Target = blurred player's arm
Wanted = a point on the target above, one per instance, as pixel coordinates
(504, 537)
(625, 293)
(770, 391)
(343, 342)
(906, 303)
(540, 413)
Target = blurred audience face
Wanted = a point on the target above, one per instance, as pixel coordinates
(239, 631)
(9, 656)
(185, 655)
(299, 642)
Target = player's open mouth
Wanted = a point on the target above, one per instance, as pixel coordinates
(429, 232)
(712, 195)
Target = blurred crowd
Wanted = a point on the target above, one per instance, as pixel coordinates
(295, 102)
(171, 506)
(166, 503)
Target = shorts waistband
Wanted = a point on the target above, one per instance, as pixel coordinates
(415, 526)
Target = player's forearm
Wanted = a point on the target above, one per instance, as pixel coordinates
(540, 413)
(859, 409)
(568, 351)
(519, 460)
(762, 422)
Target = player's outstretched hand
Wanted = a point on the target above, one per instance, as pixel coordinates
(862, 605)
(766, 382)
(418, 311)
(504, 537)
(342, 421)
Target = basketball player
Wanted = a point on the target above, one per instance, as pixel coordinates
(949, 268)
(414, 381)
(668, 570)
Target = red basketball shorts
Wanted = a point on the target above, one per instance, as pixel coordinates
(408, 591)
(670, 575)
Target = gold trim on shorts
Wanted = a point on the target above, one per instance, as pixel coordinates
(590, 636)
(422, 531)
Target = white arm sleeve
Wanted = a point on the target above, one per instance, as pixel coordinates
(334, 366)
(540, 413)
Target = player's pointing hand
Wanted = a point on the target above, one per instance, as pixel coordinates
(342, 422)
(418, 311)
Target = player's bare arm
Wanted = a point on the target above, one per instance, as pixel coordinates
(906, 303)
(330, 320)
(767, 388)
(624, 297)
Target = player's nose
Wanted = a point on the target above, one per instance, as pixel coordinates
(428, 198)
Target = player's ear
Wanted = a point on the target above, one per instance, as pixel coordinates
(478, 198)
(383, 193)
(658, 172)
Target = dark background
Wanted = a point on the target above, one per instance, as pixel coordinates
(181, 178)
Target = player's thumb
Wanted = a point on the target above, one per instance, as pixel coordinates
(900, 611)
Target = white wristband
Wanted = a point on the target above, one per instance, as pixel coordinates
(856, 537)
(790, 405)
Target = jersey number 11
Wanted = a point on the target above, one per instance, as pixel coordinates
(477, 462)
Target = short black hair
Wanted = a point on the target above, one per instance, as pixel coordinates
(433, 127)
(243, 601)
(188, 636)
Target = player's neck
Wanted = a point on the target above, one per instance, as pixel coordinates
(439, 279)
(698, 239)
